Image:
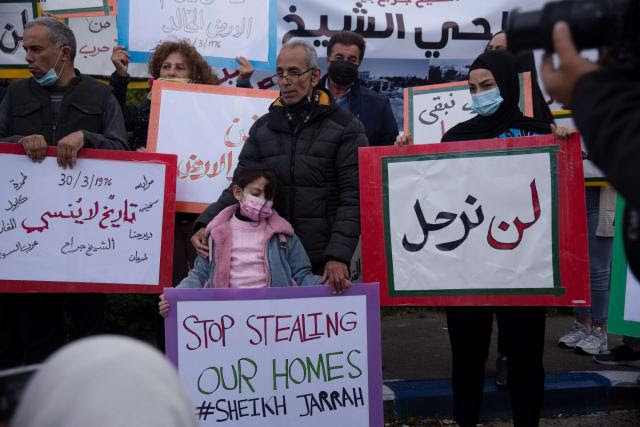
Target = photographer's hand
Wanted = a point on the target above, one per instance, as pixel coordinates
(560, 82)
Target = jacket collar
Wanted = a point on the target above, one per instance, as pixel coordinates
(355, 100)
(324, 84)
(321, 103)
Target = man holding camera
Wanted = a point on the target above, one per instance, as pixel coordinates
(606, 107)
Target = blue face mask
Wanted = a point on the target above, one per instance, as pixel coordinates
(50, 77)
(486, 103)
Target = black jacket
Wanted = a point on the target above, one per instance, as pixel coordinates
(87, 105)
(317, 170)
(374, 111)
(606, 107)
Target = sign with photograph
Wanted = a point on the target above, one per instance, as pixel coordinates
(104, 226)
(278, 356)
(491, 222)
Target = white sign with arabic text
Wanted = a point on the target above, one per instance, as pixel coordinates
(471, 222)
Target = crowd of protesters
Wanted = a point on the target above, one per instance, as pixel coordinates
(291, 215)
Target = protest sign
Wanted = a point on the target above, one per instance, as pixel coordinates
(624, 300)
(206, 127)
(96, 38)
(401, 29)
(408, 43)
(432, 110)
(78, 8)
(104, 226)
(219, 30)
(592, 174)
(14, 16)
(497, 222)
(278, 356)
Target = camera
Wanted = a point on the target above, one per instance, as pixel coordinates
(594, 24)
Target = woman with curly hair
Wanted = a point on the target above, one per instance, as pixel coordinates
(175, 61)
(171, 60)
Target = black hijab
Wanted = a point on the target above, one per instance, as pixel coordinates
(526, 62)
(503, 66)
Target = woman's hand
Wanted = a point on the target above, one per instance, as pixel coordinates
(120, 59)
(163, 306)
(563, 132)
(245, 69)
(405, 139)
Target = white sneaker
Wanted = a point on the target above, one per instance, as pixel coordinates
(594, 343)
(577, 333)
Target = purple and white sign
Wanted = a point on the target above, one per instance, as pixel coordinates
(278, 356)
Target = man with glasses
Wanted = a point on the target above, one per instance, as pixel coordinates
(312, 145)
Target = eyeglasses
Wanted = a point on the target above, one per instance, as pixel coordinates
(292, 76)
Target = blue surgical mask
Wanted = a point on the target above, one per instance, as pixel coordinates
(486, 103)
(50, 77)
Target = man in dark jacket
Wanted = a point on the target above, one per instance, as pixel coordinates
(312, 145)
(345, 52)
(59, 107)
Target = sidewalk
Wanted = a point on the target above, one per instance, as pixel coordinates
(416, 360)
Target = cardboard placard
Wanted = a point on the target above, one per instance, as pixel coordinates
(206, 127)
(278, 356)
(219, 30)
(490, 222)
(104, 226)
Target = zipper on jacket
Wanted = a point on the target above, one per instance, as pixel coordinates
(53, 141)
(292, 177)
(296, 134)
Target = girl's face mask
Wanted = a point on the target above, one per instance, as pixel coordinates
(255, 208)
(486, 103)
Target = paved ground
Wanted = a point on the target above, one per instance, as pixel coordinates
(415, 345)
(617, 419)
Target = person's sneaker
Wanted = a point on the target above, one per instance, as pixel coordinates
(594, 343)
(501, 370)
(577, 333)
(620, 355)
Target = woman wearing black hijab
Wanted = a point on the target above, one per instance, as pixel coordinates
(493, 82)
(525, 62)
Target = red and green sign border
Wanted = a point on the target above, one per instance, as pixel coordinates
(570, 219)
(555, 289)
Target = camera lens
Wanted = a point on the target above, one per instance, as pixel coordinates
(593, 23)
